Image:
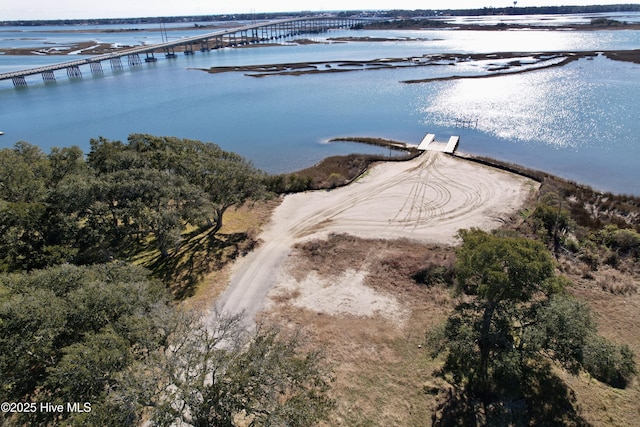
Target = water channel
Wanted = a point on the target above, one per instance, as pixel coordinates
(579, 121)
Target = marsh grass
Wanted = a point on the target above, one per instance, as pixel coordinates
(337, 171)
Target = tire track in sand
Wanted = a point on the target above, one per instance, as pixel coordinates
(428, 198)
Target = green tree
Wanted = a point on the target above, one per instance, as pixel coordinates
(24, 173)
(88, 367)
(30, 333)
(60, 208)
(66, 331)
(38, 227)
(143, 201)
(499, 342)
(210, 374)
(227, 178)
(552, 220)
(160, 184)
(65, 162)
(136, 195)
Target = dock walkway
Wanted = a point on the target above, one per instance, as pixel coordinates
(429, 143)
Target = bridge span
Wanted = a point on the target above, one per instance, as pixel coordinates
(229, 37)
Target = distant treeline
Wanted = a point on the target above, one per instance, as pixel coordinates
(155, 19)
(544, 10)
(551, 10)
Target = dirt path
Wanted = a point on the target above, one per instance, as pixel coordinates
(426, 199)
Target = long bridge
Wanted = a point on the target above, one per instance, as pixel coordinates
(253, 33)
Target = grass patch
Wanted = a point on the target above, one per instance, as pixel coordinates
(384, 375)
(202, 256)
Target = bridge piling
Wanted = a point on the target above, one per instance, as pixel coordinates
(48, 76)
(19, 81)
(74, 72)
(116, 63)
(150, 57)
(134, 60)
(96, 67)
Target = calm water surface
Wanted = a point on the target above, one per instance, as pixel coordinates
(580, 121)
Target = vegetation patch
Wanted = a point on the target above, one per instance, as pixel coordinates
(337, 171)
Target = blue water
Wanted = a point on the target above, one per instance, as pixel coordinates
(579, 121)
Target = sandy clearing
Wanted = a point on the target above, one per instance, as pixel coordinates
(427, 199)
(339, 294)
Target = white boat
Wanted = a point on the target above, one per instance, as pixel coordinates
(1, 133)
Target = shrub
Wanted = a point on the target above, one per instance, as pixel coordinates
(608, 362)
(625, 241)
(288, 183)
(572, 244)
(335, 179)
(435, 275)
(589, 255)
(552, 219)
(612, 259)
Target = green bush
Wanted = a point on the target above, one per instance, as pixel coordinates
(625, 241)
(288, 183)
(608, 362)
(435, 275)
(589, 255)
(554, 220)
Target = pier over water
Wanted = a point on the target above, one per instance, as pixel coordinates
(254, 33)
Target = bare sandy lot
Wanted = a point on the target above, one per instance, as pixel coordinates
(426, 199)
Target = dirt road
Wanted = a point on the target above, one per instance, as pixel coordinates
(427, 199)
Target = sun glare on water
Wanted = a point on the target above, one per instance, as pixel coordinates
(534, 107)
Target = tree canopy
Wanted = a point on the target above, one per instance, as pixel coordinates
(66, 330)
(212, 374)
(513, 324)
(63, 207)
(108, 335)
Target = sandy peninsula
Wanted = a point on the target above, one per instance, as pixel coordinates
(427, 199)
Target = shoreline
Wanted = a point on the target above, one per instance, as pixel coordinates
(519, 62)
(583, 199)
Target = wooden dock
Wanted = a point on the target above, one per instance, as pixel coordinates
(429, 143)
